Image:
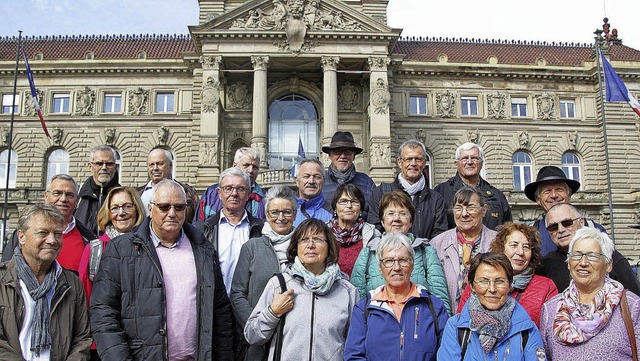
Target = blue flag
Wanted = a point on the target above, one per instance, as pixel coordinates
(616, 89)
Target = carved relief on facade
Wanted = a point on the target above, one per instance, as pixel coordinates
(378, 63)
(546, 105)
(162, 134)
(210, 95)
(138, 101)
(110, 136)
(30, 106)
(4, 136)
(421, 136)
(56, 135)
(523, 140)
(380, 154)
(496, 106)
(85, 101)
(473, 136)
(572, 137)
(380, 97)
(260, 62)
(210, 61)
(209, 152)
(261, 147)
(329, 62)
(238, 95)
(349, 96)
(445, 104)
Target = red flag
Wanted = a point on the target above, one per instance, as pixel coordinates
(34, 95)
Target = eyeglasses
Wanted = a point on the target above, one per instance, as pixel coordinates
(59, 194)
(485, 284)
(553, 227)
(286, 213)
(127, 208)
(591, 256)
(102, 164)
(394, 215)
(315, 240)
(471, 209)
(165, 207)
(346, 202)
(347, 152)
(239, 189)
(470, 159)
(403, 262)
(412, 159)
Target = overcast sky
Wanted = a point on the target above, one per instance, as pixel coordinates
(547, 20)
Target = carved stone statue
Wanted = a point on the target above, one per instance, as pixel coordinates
(573, 139)
(496, 104)
(546, 104)
(163, 135)
(138, 101)
(210, 95)
(523, 138)
(56, 135)
(4, 136)
(445, 104)
(238, 95)
(472, 136)
(349, 96)
(109, 136)
(85, 100)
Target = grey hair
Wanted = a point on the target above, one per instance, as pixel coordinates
(167, 183)
(48, 211)
(412, 143)
(64, 177)
(241, 152)
(536, 194)
(606, 244)
(280, 192)
(312, 160)
(556, 206)
(391, 241)
(167, 153)
(102, 148)
(235, 171)
(469, 146)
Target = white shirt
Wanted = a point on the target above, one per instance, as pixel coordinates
(146, 197)
(230, 240)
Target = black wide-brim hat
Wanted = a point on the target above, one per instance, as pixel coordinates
(546, 174)
(342, 140)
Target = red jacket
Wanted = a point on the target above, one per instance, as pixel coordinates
(538, 291)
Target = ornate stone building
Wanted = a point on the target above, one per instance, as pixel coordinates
(267, 73)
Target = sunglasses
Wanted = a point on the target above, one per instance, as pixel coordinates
(553, 227)
(165, 207)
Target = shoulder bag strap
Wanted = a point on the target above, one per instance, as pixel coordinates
(96, 249)
(278, 348)
(628, 323)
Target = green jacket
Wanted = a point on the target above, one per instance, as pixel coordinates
(432, 278)
(68, 315)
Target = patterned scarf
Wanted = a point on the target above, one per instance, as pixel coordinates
(522, 279)
(343, 177)
(111, 231)
(414, 188)
(491, 326)
(40, 333)
(321, 284)
(279, 242)
(466, 250)
(346, 236)
(575, 322)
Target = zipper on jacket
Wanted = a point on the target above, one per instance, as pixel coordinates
(313, 305)
(416, 323)
(164, 303)
(401, 344)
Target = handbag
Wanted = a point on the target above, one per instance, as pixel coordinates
(628, 323)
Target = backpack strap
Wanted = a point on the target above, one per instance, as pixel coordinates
(94, 259)
(434, 316)
(424, 262)
(366, 308)
(464, 334)
(278, 348)
(367, 276)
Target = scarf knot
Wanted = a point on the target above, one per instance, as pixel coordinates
(346, 236)
(491, 326)
(318, 284)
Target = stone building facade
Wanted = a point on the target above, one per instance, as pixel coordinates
(267, 74)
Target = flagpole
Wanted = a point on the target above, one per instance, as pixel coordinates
(9, 143)
(604, 131)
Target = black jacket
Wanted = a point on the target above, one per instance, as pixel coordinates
(90, 199)
(210, 228)
(430, 219)
(498, 212)
(127, 313)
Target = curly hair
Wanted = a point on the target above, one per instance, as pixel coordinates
(532, 236)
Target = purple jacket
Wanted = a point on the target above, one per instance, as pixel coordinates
(610, 344)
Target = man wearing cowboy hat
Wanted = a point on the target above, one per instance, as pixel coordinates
(342, 151)
(550, 188)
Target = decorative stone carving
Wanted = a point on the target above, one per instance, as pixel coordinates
(138, 101)
(496, 104)
(546, 105)
(473, 136)
(294, 84)
(572, 137)
(380, 154)
(109, 136)
(4, 136)
(210, 61)
(238, 95)
(260, 62)
(523, 138)
(56, 135)
(421, 135)
(380, 97)
(85, 100)
(378, 63)
(349, 96)
(210, 95)
(445, 104)
(209, 153)
(162, 134)
(262, 150)
(604, 216)
(329, 62)
(29, 105)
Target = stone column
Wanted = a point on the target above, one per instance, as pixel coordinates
(330, 91)
(259, 140)
(381, 166)
(209, 159)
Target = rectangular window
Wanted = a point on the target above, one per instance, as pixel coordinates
(6, 103)
(518, 107)
(567, 109)
(418, 105)
(469, 105)
(112, 103)
(61, 102)
(164, 102)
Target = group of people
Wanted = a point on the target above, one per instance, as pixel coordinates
(339, 269)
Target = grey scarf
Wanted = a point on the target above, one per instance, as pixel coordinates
(343, 177)
(414, 188)
(40, 336)
(279, 242)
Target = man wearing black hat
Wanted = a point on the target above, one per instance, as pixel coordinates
(550, 188)
(342, 151)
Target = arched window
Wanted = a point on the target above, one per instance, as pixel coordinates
(57, 163)
(428, 169)
(522, 170)
(118, 168)
(291, 117)
(4, 162)
(571, 166)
